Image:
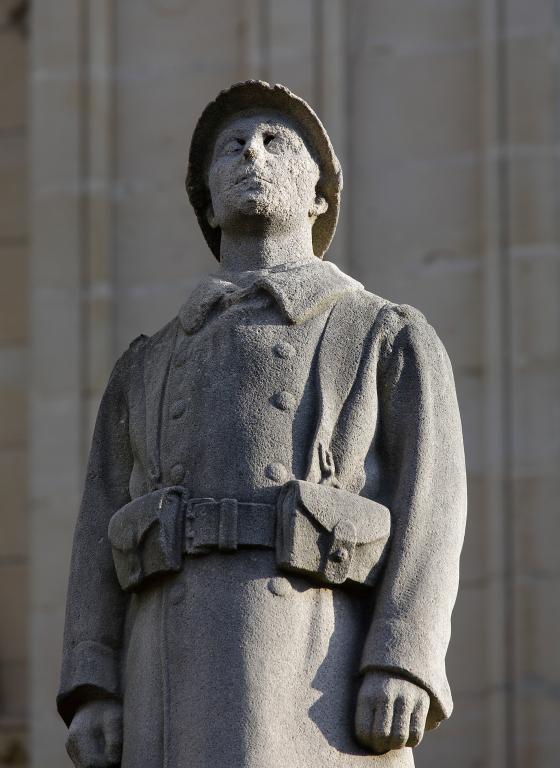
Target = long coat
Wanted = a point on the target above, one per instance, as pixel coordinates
(232, 662)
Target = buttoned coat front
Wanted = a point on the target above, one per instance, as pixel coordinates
(231, 661)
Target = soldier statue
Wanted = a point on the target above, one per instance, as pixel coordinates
(266, 556)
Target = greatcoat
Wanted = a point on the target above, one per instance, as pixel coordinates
(232, 662)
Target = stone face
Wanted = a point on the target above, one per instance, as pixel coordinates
(283, 445)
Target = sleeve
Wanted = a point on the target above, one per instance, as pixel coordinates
(95, 603)
(421, 449)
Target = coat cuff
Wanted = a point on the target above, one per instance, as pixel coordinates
(88, 670)
(412, 653)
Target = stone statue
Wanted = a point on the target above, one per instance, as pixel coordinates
(266, 557)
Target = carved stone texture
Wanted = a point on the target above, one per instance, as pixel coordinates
(266, 557)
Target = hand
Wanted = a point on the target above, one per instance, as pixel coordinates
(391, 712)
(95, 735)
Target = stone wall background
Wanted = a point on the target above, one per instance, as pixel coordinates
(446, 116)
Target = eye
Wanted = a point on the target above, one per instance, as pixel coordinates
(233, 145)
(268, 137)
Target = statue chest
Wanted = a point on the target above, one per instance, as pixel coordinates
(238, 403)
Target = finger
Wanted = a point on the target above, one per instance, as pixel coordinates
(418, 721)
(400, 725)
(73, 749)
(113, 739)
(363, 720)
(83, 749)
(381, 726)
(113, 749)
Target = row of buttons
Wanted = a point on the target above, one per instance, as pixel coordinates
(275, 471)
(282, 400)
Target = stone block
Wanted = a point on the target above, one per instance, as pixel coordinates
(13, 482)
(538, 740)
(13, 79)
(533, 189)
(533, 81)
(13, 188)
(420, 215)
(460, 742)
(536, 423)
(291, 52)
(13, 609)
(430, 25)
(467, 652)
(536, 319)
(413, 107)
(13, 415)
(537, 632)
(540, 17)
(14, 292)
(538, 524)
(57, 365)
(13, 696)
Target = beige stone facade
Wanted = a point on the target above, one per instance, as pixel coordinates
(445, 116)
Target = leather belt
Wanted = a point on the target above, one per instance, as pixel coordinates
(227, 524)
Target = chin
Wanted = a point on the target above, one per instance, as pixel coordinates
(255, 204)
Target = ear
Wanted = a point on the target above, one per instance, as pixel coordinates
(211, 218)
(318, 207)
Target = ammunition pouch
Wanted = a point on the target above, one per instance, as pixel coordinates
(323, 532)
(147, 536)
(330, 534)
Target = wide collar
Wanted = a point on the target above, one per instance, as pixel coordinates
(300, 291)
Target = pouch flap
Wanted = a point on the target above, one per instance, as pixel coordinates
(130, 525)
(146, 536)
(357, 519)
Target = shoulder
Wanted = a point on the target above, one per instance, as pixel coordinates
(131, 360)
(408, 339)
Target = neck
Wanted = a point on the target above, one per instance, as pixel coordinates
(247, 251)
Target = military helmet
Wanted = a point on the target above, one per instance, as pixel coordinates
(251, 95)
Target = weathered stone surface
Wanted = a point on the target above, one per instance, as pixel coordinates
(245, 463)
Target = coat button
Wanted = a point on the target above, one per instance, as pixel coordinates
(177, 473)
(285, 401)
(177, 409)
(181, 358)
(276, 472)
(279, 586)
(284, 350)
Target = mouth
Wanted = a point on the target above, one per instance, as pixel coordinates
(251, 177)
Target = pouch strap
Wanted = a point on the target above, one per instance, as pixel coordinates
(227, 524)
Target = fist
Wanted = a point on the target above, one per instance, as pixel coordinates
(95, 735)
(391, 712)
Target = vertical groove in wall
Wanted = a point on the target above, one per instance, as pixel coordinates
(264, 39)
(506, 362)
(318, 55)
(350, 75)
(97, 173)
(83, 175)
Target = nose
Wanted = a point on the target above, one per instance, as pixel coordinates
(251, 150)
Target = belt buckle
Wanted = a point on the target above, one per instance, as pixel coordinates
(227, 534)
(227, 526)
(191, 547)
